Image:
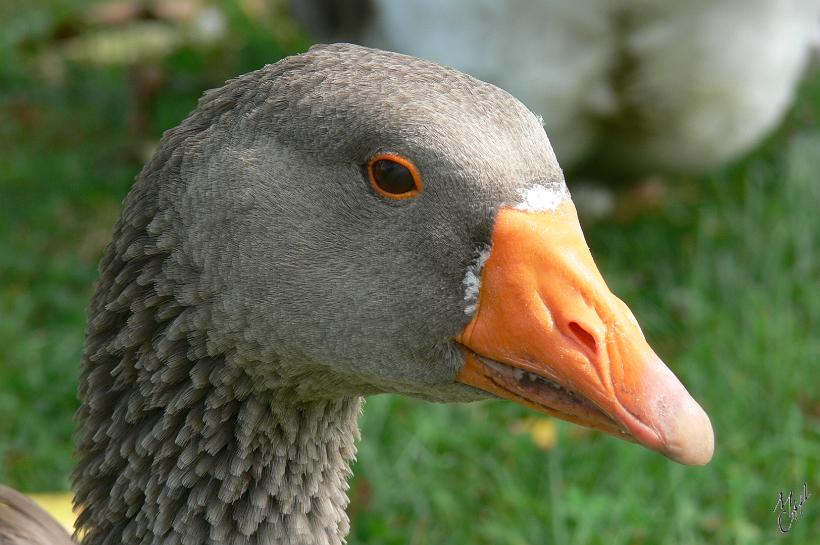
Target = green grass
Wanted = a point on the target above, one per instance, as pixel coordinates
(724, 277)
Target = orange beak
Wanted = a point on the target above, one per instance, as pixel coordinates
(547, 333)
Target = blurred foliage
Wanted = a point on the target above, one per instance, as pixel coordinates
(721, 270)
(79, 118)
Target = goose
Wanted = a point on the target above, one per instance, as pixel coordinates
(625, 88)
(344, 222)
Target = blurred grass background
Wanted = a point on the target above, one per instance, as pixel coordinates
(722, 271)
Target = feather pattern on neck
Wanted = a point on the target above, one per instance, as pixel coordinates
(177, 443)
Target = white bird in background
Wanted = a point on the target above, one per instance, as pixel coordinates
(628, 86)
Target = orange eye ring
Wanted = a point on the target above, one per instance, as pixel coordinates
(394, 176)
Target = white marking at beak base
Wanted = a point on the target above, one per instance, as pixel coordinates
(472, 280)
(541, 198)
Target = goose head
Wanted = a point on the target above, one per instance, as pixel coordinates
(351, 221)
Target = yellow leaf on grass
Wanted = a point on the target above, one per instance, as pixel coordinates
(542, 431)
(58, 505)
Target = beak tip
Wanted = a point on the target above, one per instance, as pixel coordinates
(683, 431)
(692, 440)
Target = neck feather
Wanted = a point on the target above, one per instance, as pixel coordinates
(179, 445)
(195, 463)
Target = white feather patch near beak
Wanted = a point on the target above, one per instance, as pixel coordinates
(540, 198)
(472, 280)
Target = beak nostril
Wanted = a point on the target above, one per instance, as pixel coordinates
(584, 337)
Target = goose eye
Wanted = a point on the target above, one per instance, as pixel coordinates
(394, 176)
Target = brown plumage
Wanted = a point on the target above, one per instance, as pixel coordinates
(23, 522)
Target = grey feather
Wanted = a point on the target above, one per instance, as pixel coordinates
(256, 286)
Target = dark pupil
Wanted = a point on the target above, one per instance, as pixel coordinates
(393, 177)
